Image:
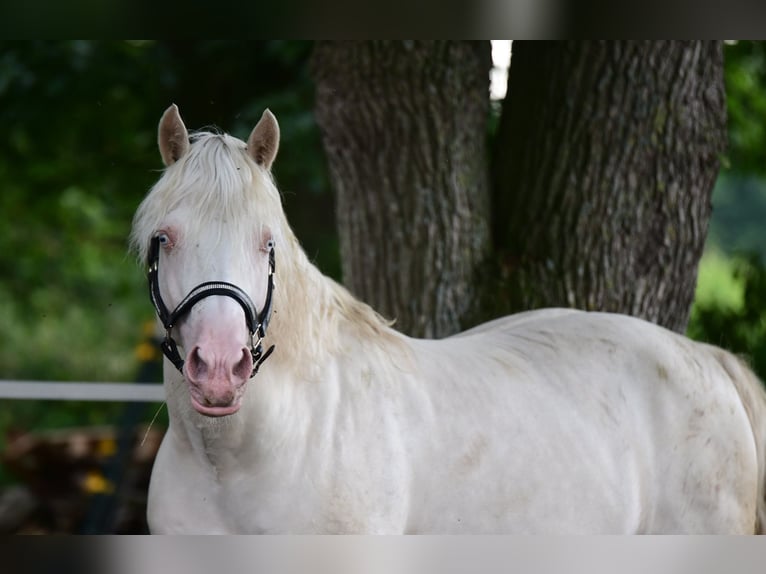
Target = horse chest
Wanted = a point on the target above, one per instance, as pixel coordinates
(195, 494)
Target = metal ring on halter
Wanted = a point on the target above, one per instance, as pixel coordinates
(257, 323)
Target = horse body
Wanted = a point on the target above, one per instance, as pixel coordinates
(559, 429)
(553, 421)
(591, 423)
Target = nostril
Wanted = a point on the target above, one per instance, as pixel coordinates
(244, 367)
(195, 365)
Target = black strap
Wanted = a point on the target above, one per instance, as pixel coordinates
(259, 357)
(209, 289)
(265, 315)
(154, 283)
(170, 350)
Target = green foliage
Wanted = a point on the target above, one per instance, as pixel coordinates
(745, 76)
(738, 328)
(739, 210)
(717, 282)
(70, 170)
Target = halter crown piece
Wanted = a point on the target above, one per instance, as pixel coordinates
(257, 323)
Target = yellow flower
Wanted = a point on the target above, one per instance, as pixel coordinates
(146, 352)
(96, 483)
(107, 447)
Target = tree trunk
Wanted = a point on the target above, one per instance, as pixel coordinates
(604, 165)
(404, 127)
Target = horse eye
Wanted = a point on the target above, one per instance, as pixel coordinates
(163, 238)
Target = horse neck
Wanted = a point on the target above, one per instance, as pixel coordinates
(312, 313)
(313, 321)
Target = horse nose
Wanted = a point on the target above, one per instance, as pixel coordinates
(218, 373)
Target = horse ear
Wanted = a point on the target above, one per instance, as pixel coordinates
(263, 143)
(172, 136)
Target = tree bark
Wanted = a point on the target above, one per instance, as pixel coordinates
(604, 165)
(404, 127)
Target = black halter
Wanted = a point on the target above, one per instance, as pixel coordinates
(256, 322)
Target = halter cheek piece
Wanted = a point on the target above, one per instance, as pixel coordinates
(257, 323)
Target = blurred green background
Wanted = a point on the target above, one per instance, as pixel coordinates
(78, 153)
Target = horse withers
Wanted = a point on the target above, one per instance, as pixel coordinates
(295, 408)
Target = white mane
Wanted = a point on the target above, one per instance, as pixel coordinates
(221, 183)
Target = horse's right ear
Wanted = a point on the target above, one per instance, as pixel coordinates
(172, 136)
(263, 143)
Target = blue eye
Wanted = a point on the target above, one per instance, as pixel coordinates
(163, 238)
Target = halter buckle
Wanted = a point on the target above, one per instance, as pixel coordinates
(254, 344)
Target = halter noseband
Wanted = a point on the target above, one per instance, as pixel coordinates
(256, 322)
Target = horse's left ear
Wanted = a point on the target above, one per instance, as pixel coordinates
(263, 143)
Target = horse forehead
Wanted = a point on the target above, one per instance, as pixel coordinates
(214, 221)
(219, 248)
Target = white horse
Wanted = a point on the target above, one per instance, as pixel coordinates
(553, 421)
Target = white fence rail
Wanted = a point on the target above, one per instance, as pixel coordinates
(78, 391)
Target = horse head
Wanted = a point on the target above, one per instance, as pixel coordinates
(211, 251)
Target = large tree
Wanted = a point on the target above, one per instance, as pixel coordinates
(602, 170)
